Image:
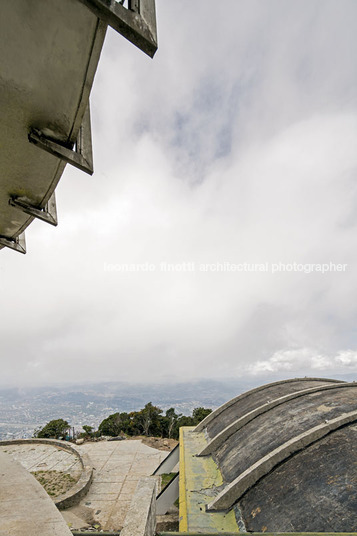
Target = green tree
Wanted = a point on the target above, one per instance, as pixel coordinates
(111, 426)
(55, 429)
(199, 414)
(88, 429)
(148, 420)
(169, 423)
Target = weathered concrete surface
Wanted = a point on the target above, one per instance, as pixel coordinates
(169, 464)
(25, 506)
(236, 425)
(223, 416)
(53, 455)
(43, 457)
(49, 56)
(312, 490)
(118, 467)
(200, 481)
(141, 517)
(281, 424)
(231, 493)
(287, 457)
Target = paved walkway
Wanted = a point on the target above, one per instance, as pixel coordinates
(118, 467)
(36, 457)
(25, 506)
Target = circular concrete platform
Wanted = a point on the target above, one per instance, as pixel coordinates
(63, 471)
(25, 506)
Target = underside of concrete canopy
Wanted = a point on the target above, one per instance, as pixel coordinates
(49, 55)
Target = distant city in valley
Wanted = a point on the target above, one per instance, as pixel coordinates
(23, 410)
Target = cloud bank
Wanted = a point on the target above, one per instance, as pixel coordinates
(235, 145)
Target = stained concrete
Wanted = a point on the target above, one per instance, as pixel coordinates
(35, 457)
(118, 467)
(222, 417)
(141, 517)
(280, 425)
(200, 481)
(50, 52)
(25, 506)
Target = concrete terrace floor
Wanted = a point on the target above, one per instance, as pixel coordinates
(34, 457)
(118, 466)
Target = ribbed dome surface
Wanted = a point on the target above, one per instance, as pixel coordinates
(287, 454)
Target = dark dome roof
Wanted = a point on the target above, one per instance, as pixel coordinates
(287, 455)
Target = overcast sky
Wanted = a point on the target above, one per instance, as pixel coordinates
(218, 165)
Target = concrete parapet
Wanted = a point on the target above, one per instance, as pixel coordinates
(80, 489)
(141, 517)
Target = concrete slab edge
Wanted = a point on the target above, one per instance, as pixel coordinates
(233, 492)
(80, 489)
(168, 463)
(141, 517)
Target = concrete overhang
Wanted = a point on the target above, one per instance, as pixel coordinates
(50, 52)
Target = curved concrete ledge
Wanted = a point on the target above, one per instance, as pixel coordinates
(25, 506)
(226, 405)
(233, 492)
(220, 438)
(80, 489)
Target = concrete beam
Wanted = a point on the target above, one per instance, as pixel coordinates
(203, 424)
(139, 27)
(167, 496)
(167, 465)
(141, 517)
(220, 438)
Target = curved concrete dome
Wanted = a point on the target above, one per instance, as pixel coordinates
(286, 456)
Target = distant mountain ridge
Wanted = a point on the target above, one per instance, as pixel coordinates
(24, 409)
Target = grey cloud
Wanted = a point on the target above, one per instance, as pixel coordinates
(235, 144)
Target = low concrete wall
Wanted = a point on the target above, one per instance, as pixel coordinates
(141, 517)
(80, 489)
